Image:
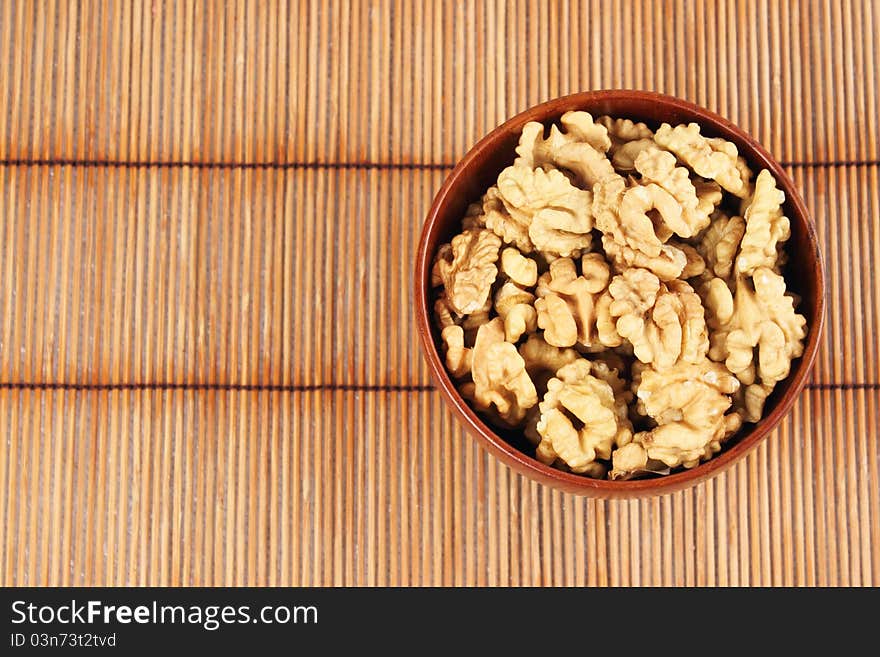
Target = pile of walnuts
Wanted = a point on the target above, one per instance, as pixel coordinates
(617, 295)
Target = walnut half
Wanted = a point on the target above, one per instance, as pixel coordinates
(468, 269)
(581, 419)
(688, 402)
(567, 307)
(754, 330)
(500, 377)
(715, 159)
(663, 321)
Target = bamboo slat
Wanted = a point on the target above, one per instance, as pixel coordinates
(189, 487)
(209, 372)
(104, 257)
(392, 81)
(845, 206)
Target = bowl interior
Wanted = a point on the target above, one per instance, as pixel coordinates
(479, 169)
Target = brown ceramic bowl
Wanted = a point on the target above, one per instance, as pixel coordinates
(478, 170)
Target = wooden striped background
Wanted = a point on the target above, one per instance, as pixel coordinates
(209, 373)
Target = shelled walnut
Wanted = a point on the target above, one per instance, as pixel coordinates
(688, 404)
(558, 214)
(714, 159)
(581, 418)
(567, 301)
(663, 321)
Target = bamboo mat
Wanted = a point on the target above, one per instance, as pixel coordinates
(209, 372)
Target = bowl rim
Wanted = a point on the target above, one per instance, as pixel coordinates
(530, 466)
